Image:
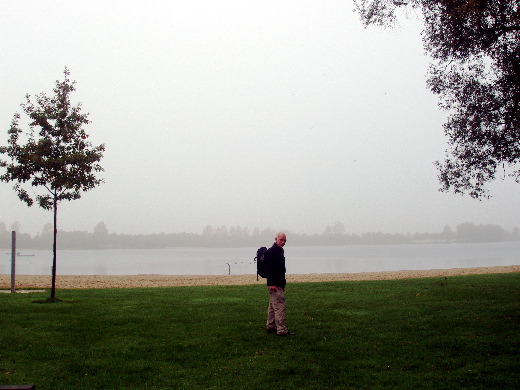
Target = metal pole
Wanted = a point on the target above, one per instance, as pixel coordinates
(13, 261)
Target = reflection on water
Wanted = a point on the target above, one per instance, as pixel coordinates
(300, 260)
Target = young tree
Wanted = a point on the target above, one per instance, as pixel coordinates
(57, 158)
(475, 45)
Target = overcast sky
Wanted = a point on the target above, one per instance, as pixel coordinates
(287, 114)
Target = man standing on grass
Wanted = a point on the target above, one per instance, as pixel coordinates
(275, 261)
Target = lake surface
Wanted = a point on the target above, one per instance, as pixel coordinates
(239, 261)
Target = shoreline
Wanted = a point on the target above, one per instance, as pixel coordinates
(136, 281)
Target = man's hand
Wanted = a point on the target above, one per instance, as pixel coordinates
(273, 288)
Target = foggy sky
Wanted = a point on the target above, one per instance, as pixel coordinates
(240, 113)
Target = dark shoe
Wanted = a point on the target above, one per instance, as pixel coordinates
(271, 330)
(285, 334)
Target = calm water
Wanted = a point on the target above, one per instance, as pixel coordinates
(300, 260)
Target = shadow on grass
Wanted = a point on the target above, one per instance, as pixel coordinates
(55, 300)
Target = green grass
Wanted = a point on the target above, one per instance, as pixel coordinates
(408, 334)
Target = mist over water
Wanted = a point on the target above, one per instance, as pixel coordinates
(286, 114)
(239, 261)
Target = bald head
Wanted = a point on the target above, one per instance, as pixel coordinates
(280, 239)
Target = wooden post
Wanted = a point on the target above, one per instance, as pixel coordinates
(13, 261)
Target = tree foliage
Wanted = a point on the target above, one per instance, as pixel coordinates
(57, 160)
(475, 47)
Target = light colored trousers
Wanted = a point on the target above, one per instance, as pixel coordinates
(276, 311)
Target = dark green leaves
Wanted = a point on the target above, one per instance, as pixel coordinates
(56, 156)
(476, 48)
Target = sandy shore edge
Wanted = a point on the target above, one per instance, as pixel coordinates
(132, 281)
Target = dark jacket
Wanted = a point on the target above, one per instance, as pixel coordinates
(275, 261)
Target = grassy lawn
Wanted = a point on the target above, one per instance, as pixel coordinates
(463, 332)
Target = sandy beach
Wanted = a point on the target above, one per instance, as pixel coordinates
(131, 281)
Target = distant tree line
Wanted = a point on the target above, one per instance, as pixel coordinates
(224, 236)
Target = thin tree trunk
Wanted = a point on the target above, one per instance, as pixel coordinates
(53, 289)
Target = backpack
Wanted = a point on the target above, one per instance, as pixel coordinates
(261, 266)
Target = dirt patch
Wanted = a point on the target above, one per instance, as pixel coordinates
(132, 281)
